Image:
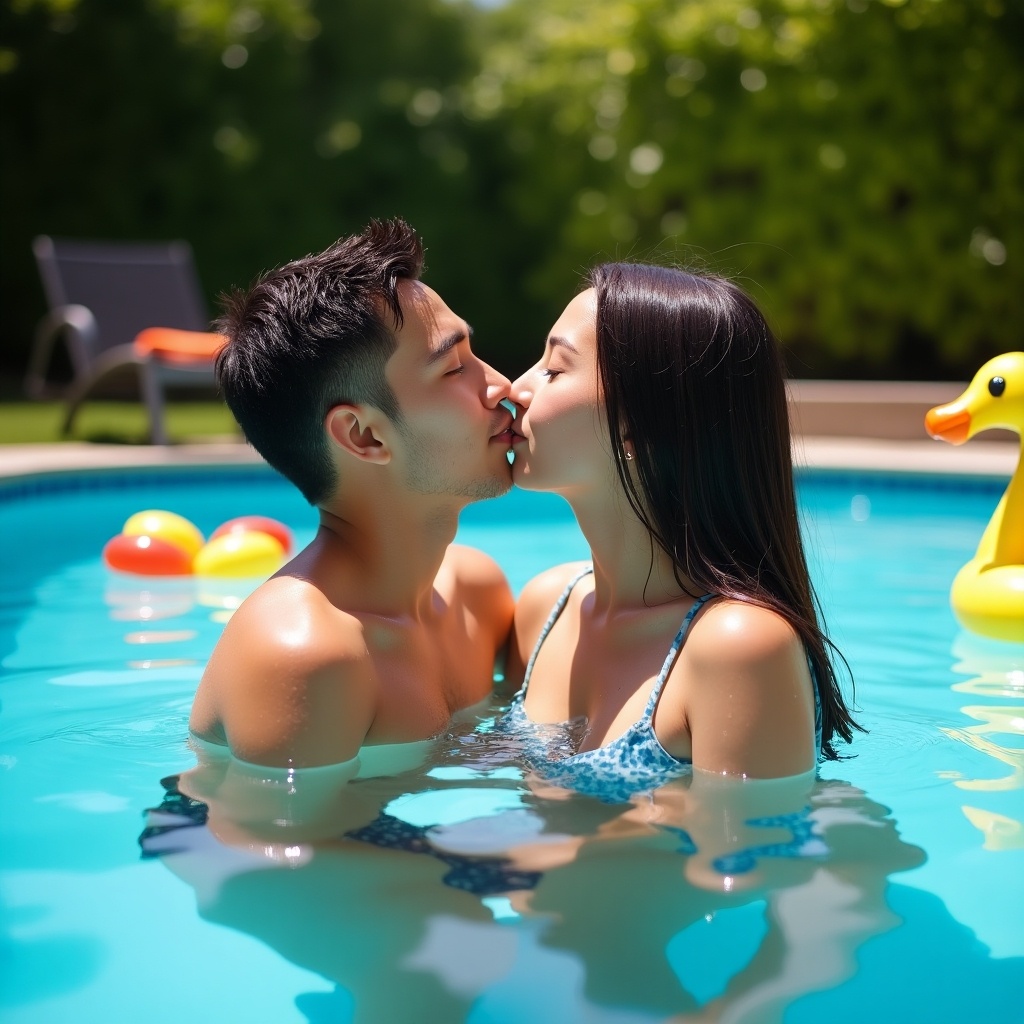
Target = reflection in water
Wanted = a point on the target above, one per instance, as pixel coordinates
(147, 604)
(996, 671)
(786, 923)
(462, 888)
(153, 636)
(1000, 832)
(144, 599)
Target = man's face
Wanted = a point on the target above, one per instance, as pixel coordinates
(454, 435)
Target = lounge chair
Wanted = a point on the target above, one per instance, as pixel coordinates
(122, 309)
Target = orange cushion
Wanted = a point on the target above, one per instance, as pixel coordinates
(179, 346)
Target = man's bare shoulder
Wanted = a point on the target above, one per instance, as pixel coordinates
(532, 610)
(476, 580)
(472, 567)
(540, 594)
(291, 615)
(291, 681)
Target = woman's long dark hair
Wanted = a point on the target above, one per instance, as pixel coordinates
(693, 379)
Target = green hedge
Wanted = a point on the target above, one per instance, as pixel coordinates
(857, 164)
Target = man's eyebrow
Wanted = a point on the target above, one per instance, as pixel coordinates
(556, 342)
(446, 344)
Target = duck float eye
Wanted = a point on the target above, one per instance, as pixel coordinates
(996, 386)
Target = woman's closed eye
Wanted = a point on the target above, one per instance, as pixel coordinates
(549, 372)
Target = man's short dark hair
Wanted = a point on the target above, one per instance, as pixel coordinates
(311, 335)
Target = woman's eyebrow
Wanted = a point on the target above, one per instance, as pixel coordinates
(556, 342)
(446, 344)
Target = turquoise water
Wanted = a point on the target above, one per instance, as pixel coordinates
(894, 887)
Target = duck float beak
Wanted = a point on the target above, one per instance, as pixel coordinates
(950, 423)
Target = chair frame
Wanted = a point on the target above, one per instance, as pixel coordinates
(77, 327)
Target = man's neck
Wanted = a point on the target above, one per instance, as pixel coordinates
(390, 548)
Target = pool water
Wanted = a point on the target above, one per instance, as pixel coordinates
(458, 886)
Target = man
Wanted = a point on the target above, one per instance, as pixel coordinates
(354, 379)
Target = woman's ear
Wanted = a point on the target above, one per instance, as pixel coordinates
(355, 429)
(627, 447)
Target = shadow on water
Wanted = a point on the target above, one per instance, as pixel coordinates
(44, 967)
(928, 968)
(710, 900)
(325, 1007)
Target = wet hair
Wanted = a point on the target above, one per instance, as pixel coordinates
(311, 335)
(692, 378)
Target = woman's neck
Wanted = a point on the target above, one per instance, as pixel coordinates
(631, 570)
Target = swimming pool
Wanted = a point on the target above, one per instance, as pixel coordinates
(895, 889)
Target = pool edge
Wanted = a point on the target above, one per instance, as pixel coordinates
(924, 457)
(978, 458)
(36, 460)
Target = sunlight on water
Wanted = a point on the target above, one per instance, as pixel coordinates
(447, 880)
(999, 734)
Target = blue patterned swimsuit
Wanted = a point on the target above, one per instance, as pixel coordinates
(634, 763)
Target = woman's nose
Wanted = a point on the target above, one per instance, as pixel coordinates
(521, 392)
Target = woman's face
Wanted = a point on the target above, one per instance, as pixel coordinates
(562, 442)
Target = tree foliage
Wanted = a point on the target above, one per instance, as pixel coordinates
(259, 132)
(857, 163)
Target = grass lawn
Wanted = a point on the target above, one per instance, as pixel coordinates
(113, 422)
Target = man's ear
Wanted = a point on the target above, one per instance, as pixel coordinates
(355, 429)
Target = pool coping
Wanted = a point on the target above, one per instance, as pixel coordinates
(925, 457)
(978, 458)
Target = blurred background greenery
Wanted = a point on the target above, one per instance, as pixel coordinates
(856, 163)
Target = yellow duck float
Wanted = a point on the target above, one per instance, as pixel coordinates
(988, 593)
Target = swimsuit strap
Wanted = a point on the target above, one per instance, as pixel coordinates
(673, 653)
(555, 612)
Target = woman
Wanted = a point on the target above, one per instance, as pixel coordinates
(658, 411)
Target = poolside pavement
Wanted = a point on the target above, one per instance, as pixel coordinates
(841, 425)
(977, 458)
(70, 456)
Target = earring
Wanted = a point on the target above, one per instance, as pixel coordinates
(629, 456)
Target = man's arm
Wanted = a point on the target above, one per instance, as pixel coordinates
(484, 590)
(290, 683)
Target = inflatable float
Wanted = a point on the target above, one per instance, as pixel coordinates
(987, 595)
(160, 543)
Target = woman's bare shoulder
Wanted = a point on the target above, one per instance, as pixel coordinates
(740, 633)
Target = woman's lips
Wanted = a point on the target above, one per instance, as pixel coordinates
(506, 437)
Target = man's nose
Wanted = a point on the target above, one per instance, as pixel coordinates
(497, 386)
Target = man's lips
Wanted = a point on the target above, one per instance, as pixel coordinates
(505, 432)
